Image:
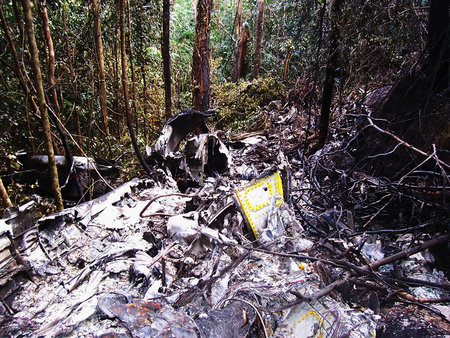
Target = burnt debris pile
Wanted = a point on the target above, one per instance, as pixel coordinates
(241, 236)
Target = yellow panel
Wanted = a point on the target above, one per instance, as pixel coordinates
(257, 199)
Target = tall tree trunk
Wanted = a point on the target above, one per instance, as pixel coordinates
(235, 75)
(238, 19)
(307, 99)
(18, 70)
(4, 194)
(42, 104)
(258, 38)
(144, 103)
(241, 52)
(165, 51)
(116, 103)
(19, 23)
(17, 66)
(101, 64)
(72, 78)
(54, 97)
(200, 64)
(133, 77)
(125, 89)
(438, 43)
(51, 60)
(330, 72)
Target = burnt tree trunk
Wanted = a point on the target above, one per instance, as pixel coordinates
(330, 73)
(125, 89)
(258, 38)
(42, 103)
(438, 43)
(241, 52)
(241, 48)
(200, 59)
(100, 63)
(165, 51)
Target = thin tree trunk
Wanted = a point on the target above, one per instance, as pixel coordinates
(56, 116)
(133, 78)
(125, 89)
(258, 39)
(308, 98)
(5, 83)
(51, 60)
(101, 64)
(42, 104)
(90, 115)
(72, 78)
(4, 194)
(200, 64)
(286, 62)
(116, 104)
(20, 23)
(18, 70)
(194, 10)
(330, 73)
(144, 103)
(165, 51)
(235, 75)
(17, 66)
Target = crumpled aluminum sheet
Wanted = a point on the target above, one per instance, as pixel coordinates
(103, 247)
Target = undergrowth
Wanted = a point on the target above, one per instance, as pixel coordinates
(239, 104)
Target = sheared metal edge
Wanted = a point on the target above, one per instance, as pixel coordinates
(178, 127)
(200, 142)
(5, 228)
(85, 211)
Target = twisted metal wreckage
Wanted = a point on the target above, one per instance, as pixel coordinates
(225, 257)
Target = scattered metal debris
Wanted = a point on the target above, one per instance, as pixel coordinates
(202, 155)
(84, 177)
(147, 259)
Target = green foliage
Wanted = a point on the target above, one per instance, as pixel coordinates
(293, 24)
(239, 104)
(223, 34)
(182, 35)
(380, 40)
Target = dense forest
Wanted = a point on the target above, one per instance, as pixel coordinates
(224, 168)
(92, 78)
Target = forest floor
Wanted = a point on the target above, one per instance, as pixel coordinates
(339, 252)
